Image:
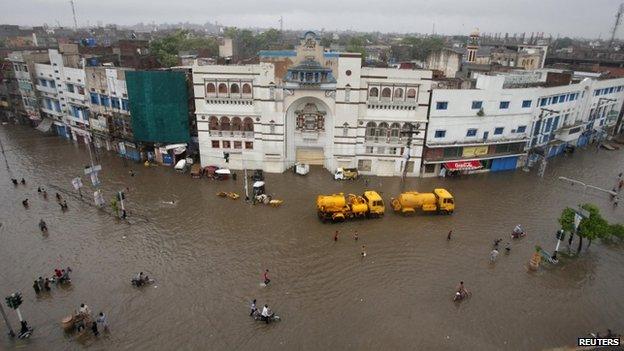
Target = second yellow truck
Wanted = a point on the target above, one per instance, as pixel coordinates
(338, 207)
(440, 201)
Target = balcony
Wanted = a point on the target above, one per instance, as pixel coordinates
(231, 134)
(522, 137)
(49, 90)
(384, 140)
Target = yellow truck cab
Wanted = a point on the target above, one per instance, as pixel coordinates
(376, 207)
(446, 203)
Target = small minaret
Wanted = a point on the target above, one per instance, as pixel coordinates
(473, 46)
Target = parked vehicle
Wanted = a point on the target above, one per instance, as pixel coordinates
(222, 174)
(181, 166)
(440, 201)
(209, 172)
(346, 173)
(338, 207)
(302, 168)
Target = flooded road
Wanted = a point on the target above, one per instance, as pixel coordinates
(207, 255)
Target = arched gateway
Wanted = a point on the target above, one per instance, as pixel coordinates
(309, 132)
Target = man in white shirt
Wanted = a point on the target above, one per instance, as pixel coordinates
(266, 313)
(84, 309)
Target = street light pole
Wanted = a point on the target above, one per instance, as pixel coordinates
(410, 135)
(6, 320)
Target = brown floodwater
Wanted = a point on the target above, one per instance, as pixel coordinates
(207, 255)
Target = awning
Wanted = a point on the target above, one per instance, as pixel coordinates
(463, 165)
(45, 125)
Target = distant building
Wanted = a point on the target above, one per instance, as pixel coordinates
(311, 106)
(447, 61)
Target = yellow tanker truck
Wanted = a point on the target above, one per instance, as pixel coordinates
(338, 207)
(440, 201)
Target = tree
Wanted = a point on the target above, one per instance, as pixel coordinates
(167, 48)
(418, 48)
(563, 43)
(594, 227)
(357, 44)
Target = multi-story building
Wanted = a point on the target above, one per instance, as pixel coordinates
(24, 70)
(109, 121)
(495, 126)
(61, 84)
(312, 106)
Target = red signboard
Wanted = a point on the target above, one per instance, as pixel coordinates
(463, 165)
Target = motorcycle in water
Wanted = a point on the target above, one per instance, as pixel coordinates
(460, 295)
(142, 282)
(25, 332)
(272, 318)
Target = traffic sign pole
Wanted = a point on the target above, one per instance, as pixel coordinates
(6, 321)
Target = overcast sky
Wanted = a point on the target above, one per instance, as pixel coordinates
(582, 18)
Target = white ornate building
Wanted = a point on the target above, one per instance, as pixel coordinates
(312, 106)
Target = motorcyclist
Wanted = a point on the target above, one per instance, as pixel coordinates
(43, 226)
(266, 314)
(518, 229)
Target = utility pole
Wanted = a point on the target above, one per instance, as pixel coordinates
(74, 13)
(5, 159)
(410, 135)
(6, 321)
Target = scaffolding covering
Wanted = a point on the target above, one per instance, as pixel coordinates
(159, 106)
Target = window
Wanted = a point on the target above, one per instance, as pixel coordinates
(224, 124)
(226, 144)
(345, 129)
(210, 88)
(272, 127)
(369, 149)
(441, 105)
(248, 125)
(370, 129)
(238, 144)
(440, 133)
(115, 103)
(381, 150)
(476, 105)
(562, 98)
(104, 100)
(249, 145)
(398, 93)
(234, 89)
(526, 103)
(43, 82)
(80, 89)
(236, 124)
(521, 129)
(395, 129)
(430, 168)
(544, 102)
(373, 92)
(347, 93)
(57, 106)
(386, 92)
(70, 87)
(223, 88)
(392, 150)
(498, 131)
(215, 144)
(246, 88)
(124, 105)
(504, 105)
(411, 93)
(95, 98)
(471, 132)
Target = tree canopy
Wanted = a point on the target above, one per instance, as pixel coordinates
(248, 44)
(418, 48)
(594, 227)
(167, 48)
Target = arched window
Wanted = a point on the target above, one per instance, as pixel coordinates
(373, 92)
(213, 123)
(386, 92)
(210, 88)
(236, 124)
(382, 130)
(345, 129)
(246, 88)
(370, 129)
(398, 93)
(234, 89)
(223, 88)
(224, 123)
(248, 124)
(394, 130)
(411, 93)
